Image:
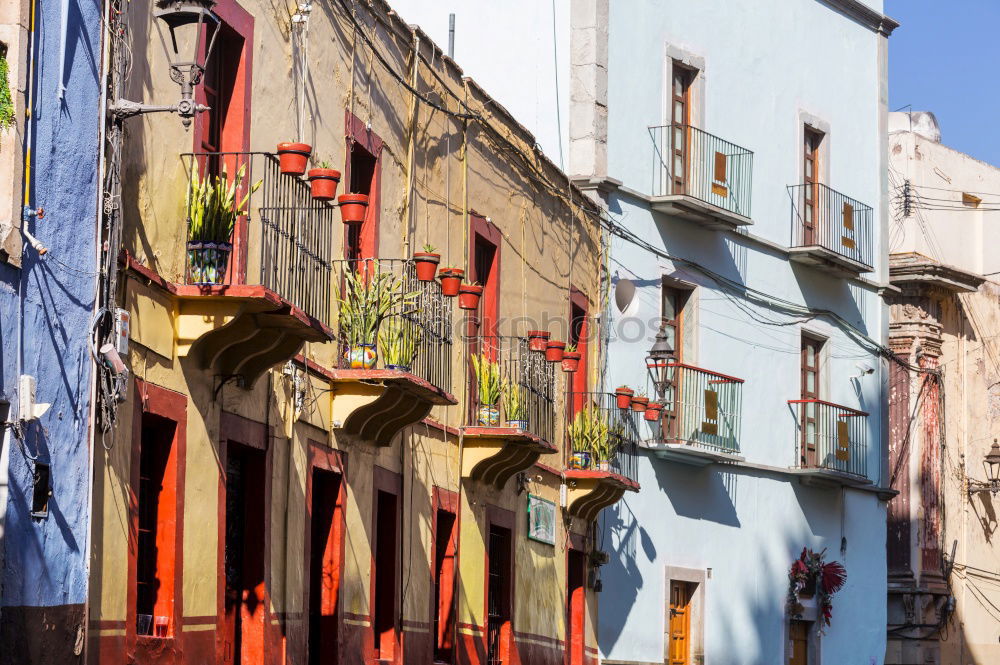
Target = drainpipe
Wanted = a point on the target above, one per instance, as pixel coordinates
(412, 149)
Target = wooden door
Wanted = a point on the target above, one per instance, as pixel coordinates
(798, 643)
(680, 623)
(324, 567)
(810, 391)
(810, 173)
(680, 120)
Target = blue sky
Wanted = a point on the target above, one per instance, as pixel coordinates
(943, 58)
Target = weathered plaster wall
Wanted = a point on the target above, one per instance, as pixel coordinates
(47, 307)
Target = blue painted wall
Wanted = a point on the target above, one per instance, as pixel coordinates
(50, 301)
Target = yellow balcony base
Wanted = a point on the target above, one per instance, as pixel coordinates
(492, 455)
(235, 329)
(590, 492)
(376, 404)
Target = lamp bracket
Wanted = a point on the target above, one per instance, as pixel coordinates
(185, 108)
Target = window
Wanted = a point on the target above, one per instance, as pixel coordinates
(680, 119)
(680, 623)
(486, 271)
(445, 546)
(578, 331)
(810, 370)
(498, 595)
(218, 87)
(810, 175)
(384, 576)
(674, 300)
(361, 238)
(157, 524)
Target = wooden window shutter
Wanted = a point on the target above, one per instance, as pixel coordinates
(710, 424)
(843, 441)
(848, 216)
(719, 187)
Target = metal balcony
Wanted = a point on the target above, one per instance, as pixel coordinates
(831, 443)
(701, 177)
(830, 230)
(509, 435)
(594, 483)
(700, 421)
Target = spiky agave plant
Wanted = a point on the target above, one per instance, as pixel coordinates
(212, 205)
(398, 340)
(513, 401)
(371, 296)
(590, 433)
(487, 379)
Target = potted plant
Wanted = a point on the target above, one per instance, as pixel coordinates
(323, 182)
(398, 340)
(513, 405)
(369, 299)
(451, 280)
(571, 359)
(487, 373)
(426, 262)
(469, 294)
(353, 208)
(639, 402)
(623, 397)
(653, 410)
(537, 339)
(590, 436)
(293, 157)
(554, 350)
(212, 210)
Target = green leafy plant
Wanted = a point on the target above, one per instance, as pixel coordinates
(429, 249)
(325, 164)
(487, 379)
(6, 99)
(212, 205)
(369, 298)
(398, 340)
(570, 348)
(590, 433)
(513, 401)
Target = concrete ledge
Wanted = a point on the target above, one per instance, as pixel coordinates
(828, 260)
(704, 213)
(690, 453)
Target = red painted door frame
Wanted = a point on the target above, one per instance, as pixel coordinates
(236, 129)
(358, 132)
(171, 405)
(448, 501)
(236, 430)
(580, 380)
(500, 517)
(482, 230)
(389, 482)
(325, 458)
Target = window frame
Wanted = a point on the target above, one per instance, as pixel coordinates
(366, 235)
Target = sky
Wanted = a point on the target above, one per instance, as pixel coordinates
(943, 58)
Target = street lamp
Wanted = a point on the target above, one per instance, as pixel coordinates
(991, 464)
(182, 26)
(659, 364)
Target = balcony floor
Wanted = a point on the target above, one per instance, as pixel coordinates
(589, 492)
(828, 477)
(689, 453)
(700, 212)
(828, 260)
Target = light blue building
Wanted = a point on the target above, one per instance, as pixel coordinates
(740, 150)
(47, 293)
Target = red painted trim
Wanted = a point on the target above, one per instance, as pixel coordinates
(851, 412)
(448, 501)
(441, 427)
(358, 132)
(251, 434)
(580, 379)
(548, 469)
(726, 378)
(321, 456)
(609, 476)
(489, 305)
(389, 482)
(171, 405)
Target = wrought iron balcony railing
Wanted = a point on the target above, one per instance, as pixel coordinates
(831, 437)
(283, 242)
(415, 334)
(600, 435)
(691, 162)
(823, 217)
(524, 394)
(703, 408)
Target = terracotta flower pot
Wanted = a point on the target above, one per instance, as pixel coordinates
(468, 296)
(451, 280)
(623, 397)
(426, 265)
(323, 183)
(639, 404)
(293, 157)
(353, 207)
(554, 350)
(571, 361)
(653, 410)
(537, 339)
